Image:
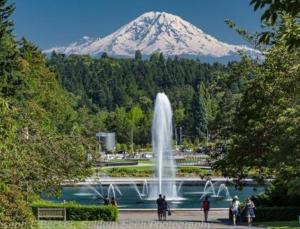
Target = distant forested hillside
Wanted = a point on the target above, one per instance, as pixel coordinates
(122, 91)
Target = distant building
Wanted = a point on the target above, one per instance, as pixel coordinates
(107, 141)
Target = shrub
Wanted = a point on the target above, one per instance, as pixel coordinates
(130, 171)
(188, 171)
(273, 214)
(147, 171)
(277, 195)
(277, 213)
(13, 207)
(80, 212)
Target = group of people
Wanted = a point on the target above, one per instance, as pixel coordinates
(111, 201)
(162, 208)
(248, 211)
(236, 211)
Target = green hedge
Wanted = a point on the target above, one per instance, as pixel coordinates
(273, 214)
(80, 212)
(138, 171)
(147, 171)
(277, 213)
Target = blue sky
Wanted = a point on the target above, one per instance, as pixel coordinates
(50, 23)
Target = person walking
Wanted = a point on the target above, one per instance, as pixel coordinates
(159, 203)
(113, 202)
(106, 200)
(249, 211)
(205, 207)
(235, 205)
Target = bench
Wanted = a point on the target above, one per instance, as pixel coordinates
(52, 213)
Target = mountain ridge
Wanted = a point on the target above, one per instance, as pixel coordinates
(154, 32)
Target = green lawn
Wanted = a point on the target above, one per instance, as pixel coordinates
(280, 224)
(146, 170)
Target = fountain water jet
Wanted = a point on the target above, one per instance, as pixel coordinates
(137, 190)
(145, 190)
(111, 190)
(162, 149)
(222, 188)
(118, 189)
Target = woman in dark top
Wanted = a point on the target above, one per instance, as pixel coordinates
(205, 207)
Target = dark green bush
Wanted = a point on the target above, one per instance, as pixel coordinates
(80, 212)
(277, 213)
(273, 214)
(277, 195)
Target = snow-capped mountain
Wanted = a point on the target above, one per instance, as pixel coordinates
(154, 31)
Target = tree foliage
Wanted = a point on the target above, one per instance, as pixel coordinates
(108, 85)
(283, 16)
(42, 141)
(264, 137)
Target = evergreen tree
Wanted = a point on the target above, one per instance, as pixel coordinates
(199, 115)
(138, 55)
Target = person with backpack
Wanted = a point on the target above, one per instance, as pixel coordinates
(235, 205)
(205, 207)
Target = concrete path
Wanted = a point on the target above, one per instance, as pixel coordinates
(178, 220)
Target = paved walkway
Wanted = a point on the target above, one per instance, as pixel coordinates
(178, 220)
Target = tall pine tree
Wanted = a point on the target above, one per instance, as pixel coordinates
(199, 116)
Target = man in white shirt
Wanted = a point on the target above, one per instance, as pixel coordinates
(235, 205)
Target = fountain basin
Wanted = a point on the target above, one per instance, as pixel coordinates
(189, 195)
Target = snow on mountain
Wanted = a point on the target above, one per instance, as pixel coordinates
(154, 31)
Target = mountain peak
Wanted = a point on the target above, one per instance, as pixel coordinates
(150, 32)
(157, 14)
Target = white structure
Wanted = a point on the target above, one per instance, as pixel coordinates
(107, 141)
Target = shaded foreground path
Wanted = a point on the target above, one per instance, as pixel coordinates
(140, 219)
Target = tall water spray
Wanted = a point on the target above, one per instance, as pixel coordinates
(162, 130)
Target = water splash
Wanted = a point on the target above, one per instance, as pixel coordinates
(145, 190)
(179, 186)
(165, 170)
(111, 191)
(137, 190)
(95, 190)
(209, 190)
(118, 189)
(223, 188)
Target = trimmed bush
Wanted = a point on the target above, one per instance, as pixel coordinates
(147, 171)
(186, 171)
(277, 213)
(273, 214)
(79, 211)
